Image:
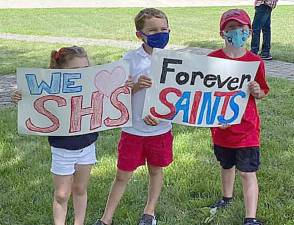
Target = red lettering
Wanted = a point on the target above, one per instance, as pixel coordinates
(193, 115)
(120, 106)
(39, 105)
(77, 112)
(162, 98)
(227, 95)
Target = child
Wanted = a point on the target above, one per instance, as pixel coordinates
(147, 140)
(72, 156)
(237, 146)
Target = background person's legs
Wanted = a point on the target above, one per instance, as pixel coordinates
(266, 31)
(260, 18)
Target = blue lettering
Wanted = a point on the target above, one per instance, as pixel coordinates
(185, 107)
(235, 108)
(206, 107)
(68, 83)
(36, 89)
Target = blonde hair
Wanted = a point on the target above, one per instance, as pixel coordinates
(148, 13)
(60, 58)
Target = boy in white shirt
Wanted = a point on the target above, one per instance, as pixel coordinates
(148, 140)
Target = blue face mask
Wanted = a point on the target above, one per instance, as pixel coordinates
(237, 37)
(157, 40)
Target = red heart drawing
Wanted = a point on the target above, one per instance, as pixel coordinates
(107, 82)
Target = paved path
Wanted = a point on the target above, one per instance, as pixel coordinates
(125, 3)
(274, 68)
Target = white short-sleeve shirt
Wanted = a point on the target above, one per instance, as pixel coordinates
(140, 64)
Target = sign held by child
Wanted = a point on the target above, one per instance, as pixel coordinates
(198, 90)
(65, 102)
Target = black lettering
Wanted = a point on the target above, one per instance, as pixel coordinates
(209, 78)
(233, 81)
(182, 78)
(244, 77)
(221, 84)
(166, 69)
(194, 75)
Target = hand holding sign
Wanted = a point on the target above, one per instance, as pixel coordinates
(255, 89)
(144, 82)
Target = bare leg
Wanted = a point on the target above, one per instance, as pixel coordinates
(79, 192)
(116, 192)
(250, 191)
(155, 185)
(228, 180)
(62, 190)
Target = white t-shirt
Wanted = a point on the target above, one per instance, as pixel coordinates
(140, 64)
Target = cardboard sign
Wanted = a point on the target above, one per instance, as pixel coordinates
(198, 90)
(65, 102)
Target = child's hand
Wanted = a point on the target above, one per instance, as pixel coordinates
(254, 89)
(129, 83)
(149, 120)
(144, 82)
(224, 126)
(16, 96)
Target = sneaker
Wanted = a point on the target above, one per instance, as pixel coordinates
(266, 56)
(147, 220)
(99, 222)
(253, 222)
(221, 204)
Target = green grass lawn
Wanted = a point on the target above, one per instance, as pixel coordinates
(190, 26)
(191, 183)
(15, 54)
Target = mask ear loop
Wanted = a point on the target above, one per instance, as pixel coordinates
(145, 35)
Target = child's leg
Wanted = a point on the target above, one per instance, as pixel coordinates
(62, 190)
(228, 180)
(250, 191)
(79, 192)
(116, 192)
(248, 163)
(159, 154)
(227, 159)
(155, 185)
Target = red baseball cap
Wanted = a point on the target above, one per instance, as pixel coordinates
(239, 15)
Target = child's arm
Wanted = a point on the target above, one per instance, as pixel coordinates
(16, 96)
(255, 90)
(143, 82)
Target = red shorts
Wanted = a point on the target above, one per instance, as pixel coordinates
(134, 151)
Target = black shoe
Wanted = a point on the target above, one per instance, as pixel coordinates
(266, 56)
(253, 222)
(221, 204)
(147, 220)
(99, 222)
